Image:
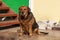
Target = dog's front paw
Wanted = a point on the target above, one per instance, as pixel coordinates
(30, 35)
(19, 33)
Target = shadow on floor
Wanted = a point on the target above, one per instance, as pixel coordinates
(7, 27)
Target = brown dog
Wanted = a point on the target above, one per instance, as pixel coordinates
(27, 21)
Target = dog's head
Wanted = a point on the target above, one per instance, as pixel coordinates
(24, 11)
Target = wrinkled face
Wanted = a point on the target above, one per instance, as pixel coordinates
(23, 11)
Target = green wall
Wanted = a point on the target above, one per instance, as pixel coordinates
(15, 4)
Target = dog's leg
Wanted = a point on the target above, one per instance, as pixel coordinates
(26, 29)
(21, 31)
(37, 31)
(30, 30)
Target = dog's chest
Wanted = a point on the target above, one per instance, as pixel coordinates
(28, 18)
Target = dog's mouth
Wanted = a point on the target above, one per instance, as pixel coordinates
(23, 15)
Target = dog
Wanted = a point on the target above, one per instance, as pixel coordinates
(27, 21)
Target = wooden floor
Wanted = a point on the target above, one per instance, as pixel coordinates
(52, 34)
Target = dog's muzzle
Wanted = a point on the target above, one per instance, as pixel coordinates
(22, 15)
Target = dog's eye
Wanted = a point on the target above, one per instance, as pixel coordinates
(24, 9)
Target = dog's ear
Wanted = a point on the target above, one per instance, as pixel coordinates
(19, 9)
(29, 10)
